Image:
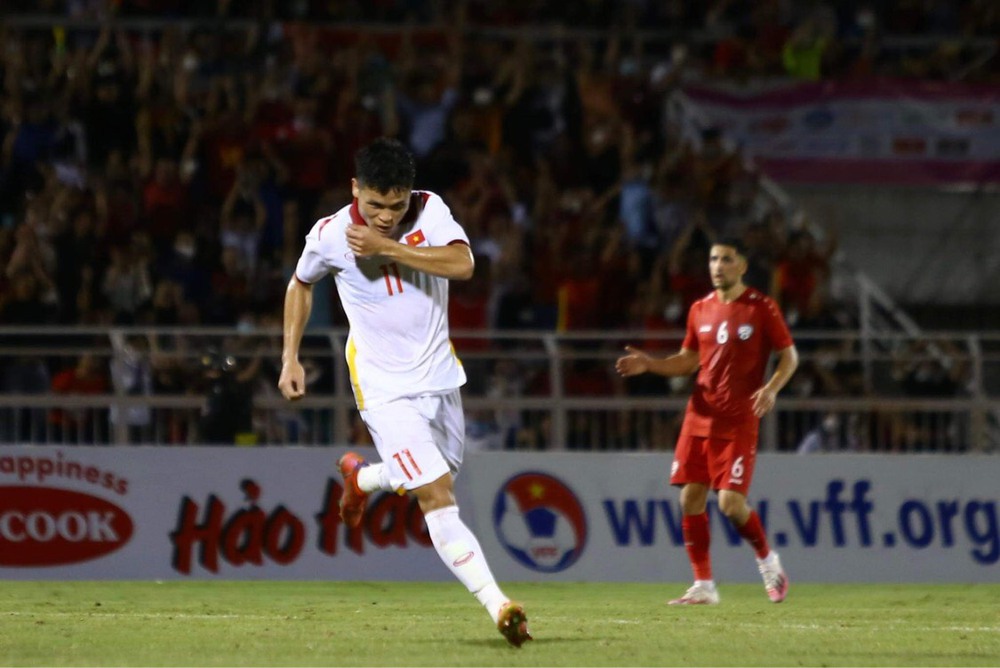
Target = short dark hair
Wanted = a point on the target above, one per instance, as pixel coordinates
(732, 242)
(385, 165)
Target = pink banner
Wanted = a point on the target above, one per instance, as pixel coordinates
(871, 131)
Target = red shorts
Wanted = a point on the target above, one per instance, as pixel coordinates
(717, 462)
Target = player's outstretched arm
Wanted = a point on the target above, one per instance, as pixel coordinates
(683, 363)
(298, 306)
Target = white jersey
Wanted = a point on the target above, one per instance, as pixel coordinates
(398, 344)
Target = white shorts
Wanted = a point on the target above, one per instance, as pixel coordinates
(418, 438)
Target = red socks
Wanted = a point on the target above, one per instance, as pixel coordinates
(753, 533)
(696, 541)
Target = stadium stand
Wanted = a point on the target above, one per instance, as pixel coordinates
(162, 160)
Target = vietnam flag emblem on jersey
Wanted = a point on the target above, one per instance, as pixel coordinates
(415, 238)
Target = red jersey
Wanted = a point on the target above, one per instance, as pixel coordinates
(733, 342)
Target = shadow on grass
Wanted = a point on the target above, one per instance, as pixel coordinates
(502, 644)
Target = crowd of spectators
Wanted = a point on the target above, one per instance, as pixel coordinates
(165, 175)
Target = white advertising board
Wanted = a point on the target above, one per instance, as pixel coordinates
(159, 513)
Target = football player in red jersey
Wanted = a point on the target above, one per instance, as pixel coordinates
(731, 333)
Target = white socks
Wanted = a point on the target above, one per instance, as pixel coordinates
(461, 553)
(769, 559)
(374, 477)
(455, 544)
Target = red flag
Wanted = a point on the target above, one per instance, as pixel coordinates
(415, 238)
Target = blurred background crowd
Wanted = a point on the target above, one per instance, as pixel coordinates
(166, 175)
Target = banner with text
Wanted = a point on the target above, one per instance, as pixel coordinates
(881, 131)
(160, 513)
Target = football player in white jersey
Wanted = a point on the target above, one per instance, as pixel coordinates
(392, 252)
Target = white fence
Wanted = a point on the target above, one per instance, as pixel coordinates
(526, 391)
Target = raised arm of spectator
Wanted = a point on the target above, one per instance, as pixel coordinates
(613, 52)
(144, 142)
(250, 371)
(406, 60)
(512, 73)
(101, 206)
(103, 39)
(229, 93)
(146, 73)
(126, 54)
(189, 156)
(683, 241)
(259, 210)
(7, 151)
(546, 193)
(282, 174)
(456, 49)
(228, 204)
(59, 61)
(27, 257)
(390, 112)
(626, 152)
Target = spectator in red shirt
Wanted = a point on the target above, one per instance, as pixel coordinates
(81, 425)
(801, 273)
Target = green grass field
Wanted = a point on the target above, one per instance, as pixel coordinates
(400, 624)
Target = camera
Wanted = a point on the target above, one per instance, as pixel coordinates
(214, 363)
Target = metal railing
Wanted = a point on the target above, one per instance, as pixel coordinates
(526, 390)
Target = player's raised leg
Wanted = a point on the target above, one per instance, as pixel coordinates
(460, 551)
(420, 443)
(353, 498)
(361, 478)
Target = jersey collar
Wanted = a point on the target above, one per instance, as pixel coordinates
(355, 214)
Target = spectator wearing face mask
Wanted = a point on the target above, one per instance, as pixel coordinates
(833, 433)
